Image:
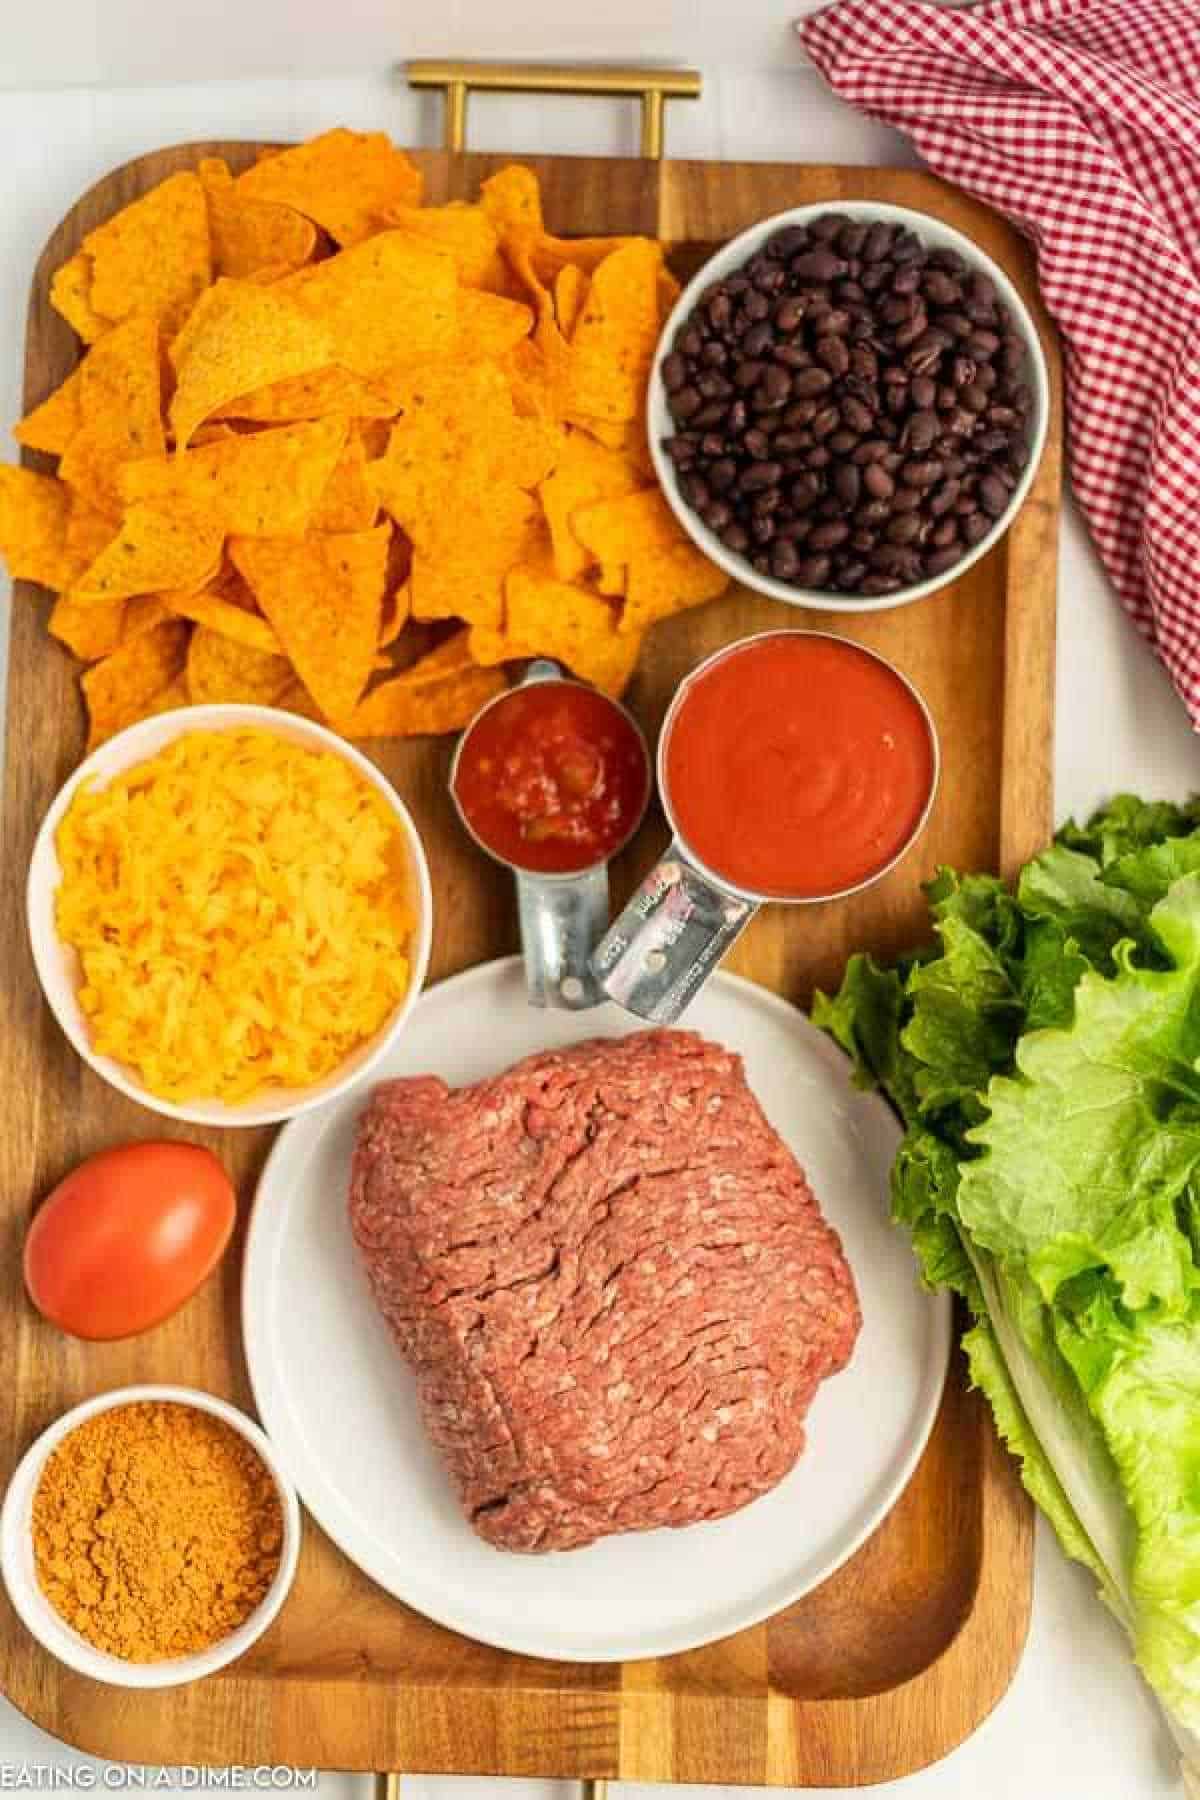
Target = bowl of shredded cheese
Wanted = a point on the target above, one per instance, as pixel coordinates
(149, 1536)
(230, 914)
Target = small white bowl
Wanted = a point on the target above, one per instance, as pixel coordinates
(58, 965)
(53, 1632)
(728, 261)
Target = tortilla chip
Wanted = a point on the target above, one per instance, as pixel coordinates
(614, 436)
(252, 236)
(547, 617)
(120, 403)
(489, 325)
(611, 579)
(52, 425)
(213, 431)
(161, 544)
(143, 614)
(89, 531)
(153, 256)
(89, 630)
(411, 705)
(34, 510)
(223, 616)
(323, 595)
(71, 295)
(458, 568)
(314, 396)
(512, 201)
(373, 434)
(240, 337)
(669, 581)
(620, 530)
(614, 340)
(220, 670)
(451, 657)
(570, 292)
(551, 255)
(120, 690)
(464, 232)
(349, 502)
(457, 435)
(584, 474)
(343, 180)
(388, 302)
(263, 484)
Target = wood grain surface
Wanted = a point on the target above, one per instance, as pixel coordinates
(901, 1654)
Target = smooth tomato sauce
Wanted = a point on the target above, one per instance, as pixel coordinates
(797, 766)
(552, 778)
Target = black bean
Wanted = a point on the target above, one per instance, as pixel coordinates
(810, 382)
(755, 306)
(722, 474)
(683, 447)
(736, 538)
(789, 314)
(685, 402)
(976, 525)
(775, 388)
(841, 442)
(936, 562)
(717, 515)
(878, 482)
(803, 491)
(674, 372)
(825, 421)
(940, 288)
(856, 414)
(878, 242)
(993, 495)
(762, 530)
(920, 431)
(920, 474)
(847, 484)
(785, 560)
(943, 498)
(924, 392)
(852, 238)
(982, 344)
(832, 352)
(904, 528)
(788, 242)
(812, 571)
(906, 499)
(758, 476)
(877, 584)
(827, 226)
(944, 532)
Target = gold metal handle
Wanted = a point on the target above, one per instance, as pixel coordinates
(653, 87)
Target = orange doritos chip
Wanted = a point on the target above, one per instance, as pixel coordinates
(215, 431)
(512, 202)
(457, 434)
(668, 581)
(459, 566)
(71, 295)
(315, 396)
(89, 531)
(373, 434)
(153, 256)
(547, 617)
(388, 302)
(240, 337)
(349, 502)
(249, 236)
(613, 343)
(263, 484)
(143, 614)
(33, 525)
(585, 473)
(464, 232)
(120, 404)
(122, 688)
(220, 670)
(551, 255)
(413, 705)
(489, 325)
(570, 292)
(89, 629)
(343, 180)
(52, 425)
(608, 432)
(210, 608)
(164, 544)
(324, 597)
(620, 530)
(611, 579)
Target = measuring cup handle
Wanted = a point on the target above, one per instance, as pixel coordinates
(673, 932)
(561, 924)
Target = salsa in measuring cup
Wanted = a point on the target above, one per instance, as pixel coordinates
(552, 777)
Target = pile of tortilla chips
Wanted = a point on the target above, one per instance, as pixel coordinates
(333, 450)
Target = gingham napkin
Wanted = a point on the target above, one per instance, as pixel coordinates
(1079, 119)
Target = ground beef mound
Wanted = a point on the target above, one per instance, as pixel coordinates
(611, 1280)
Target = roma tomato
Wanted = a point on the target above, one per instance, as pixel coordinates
(127, 1237)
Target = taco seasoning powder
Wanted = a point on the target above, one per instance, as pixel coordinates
(156, 1530)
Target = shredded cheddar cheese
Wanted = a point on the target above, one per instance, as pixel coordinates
(242, 910)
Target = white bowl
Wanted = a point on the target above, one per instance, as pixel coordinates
(58, 965)
(53, 1632)
(727, 261)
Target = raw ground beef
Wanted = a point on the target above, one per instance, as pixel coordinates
(611, 1279)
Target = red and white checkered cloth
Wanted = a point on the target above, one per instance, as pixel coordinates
(1079, 119)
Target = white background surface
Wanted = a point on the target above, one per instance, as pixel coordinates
(1075, 1725)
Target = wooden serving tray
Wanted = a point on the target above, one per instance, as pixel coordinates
(896, 1658)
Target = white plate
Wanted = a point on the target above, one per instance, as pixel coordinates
(341, 1407)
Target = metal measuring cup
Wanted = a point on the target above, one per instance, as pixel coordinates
(562, 916)
(684, 917)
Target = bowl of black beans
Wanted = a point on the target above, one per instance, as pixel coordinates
(847, 407)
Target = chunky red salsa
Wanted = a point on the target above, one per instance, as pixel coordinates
(552, 777)
(797, 765)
